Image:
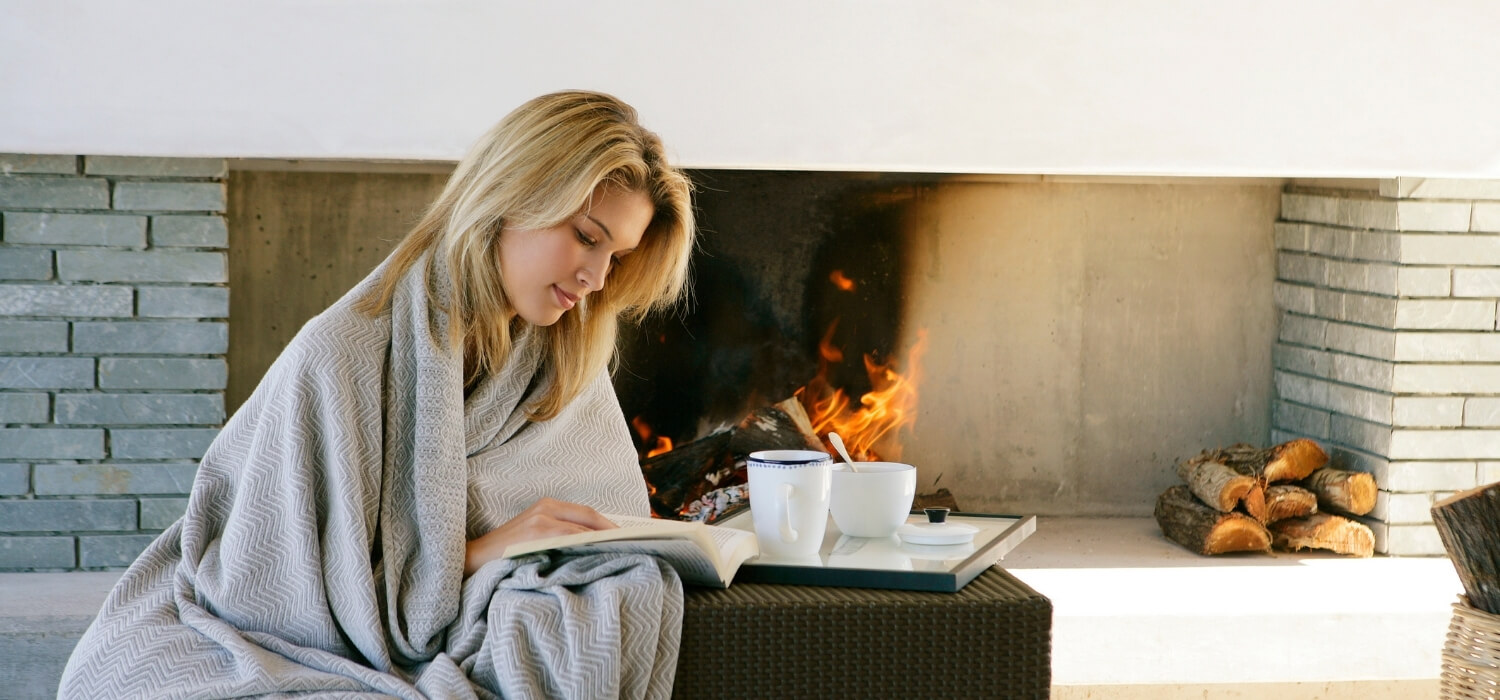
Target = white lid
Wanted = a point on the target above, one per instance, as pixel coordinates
(937, 533)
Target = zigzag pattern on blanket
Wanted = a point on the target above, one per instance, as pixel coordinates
(596, 657)
(322, 548)
(577, 453)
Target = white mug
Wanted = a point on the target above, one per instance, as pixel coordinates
(873, 501)
(789, 500)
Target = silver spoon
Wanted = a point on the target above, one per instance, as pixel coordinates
(838, 444)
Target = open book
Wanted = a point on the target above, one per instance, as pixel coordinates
(702, 554)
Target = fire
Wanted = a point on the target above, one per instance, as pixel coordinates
(839, 280)
(663, 443)
(890, 404)
(828, 352)
(663, 446)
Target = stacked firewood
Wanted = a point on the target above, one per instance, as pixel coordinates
(1246, 499)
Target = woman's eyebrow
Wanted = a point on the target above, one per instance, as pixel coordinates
(602, 226)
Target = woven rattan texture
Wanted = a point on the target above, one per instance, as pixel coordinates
(992, 639)
(1471, 654)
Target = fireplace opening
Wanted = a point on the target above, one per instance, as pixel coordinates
(1084, 336)
(786, 262)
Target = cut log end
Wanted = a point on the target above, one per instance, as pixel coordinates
(1287, 501)
(1324, 531)
(1467, 523)
(1254, 503)
(1294, 460)
(1289, 461)
(1345, 491)
(1199, 528)
(1215, 484)
(1240, 534)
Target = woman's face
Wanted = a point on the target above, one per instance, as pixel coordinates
(545, 272)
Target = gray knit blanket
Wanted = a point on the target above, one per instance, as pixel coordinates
(322, 550)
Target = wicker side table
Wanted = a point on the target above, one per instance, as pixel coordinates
(993, 639)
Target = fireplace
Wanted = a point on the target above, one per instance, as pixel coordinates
(1082, 334)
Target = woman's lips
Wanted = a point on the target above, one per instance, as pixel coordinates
(564, 299)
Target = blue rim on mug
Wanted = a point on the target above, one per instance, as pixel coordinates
(788, 459)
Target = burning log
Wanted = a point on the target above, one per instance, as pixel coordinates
(683, 475)
(1467, 523)
(1287, 501)
(1350, 492)
(1188, 522)
(1289, 461)
(1324, 531)
(1214, 483)
(687, 472)
(781, 427)
(688, 479)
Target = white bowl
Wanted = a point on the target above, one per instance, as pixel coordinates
(873, 501)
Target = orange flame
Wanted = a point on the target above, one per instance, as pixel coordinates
(663, 446)
(891, 403)
(663, 443)
(828, 352)
(839, 280)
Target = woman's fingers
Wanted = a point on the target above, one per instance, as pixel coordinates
(544, 525)
(571, 512)
(547, 517)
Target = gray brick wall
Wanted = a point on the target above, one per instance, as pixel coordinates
(113, 329)
(1388, 351)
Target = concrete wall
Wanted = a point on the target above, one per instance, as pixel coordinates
(1085, 337)
(299, 241)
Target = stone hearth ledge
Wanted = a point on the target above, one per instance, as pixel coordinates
(1136, 616)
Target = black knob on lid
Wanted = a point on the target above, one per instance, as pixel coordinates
(936, 515)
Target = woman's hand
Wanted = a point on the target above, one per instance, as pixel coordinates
(548, 517)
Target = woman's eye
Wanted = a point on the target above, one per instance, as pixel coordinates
(584, 238)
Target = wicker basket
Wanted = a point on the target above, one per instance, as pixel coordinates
(1471, 655)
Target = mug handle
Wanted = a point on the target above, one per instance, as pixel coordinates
(785, 502)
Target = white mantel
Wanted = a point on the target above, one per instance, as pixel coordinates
(1286, 88)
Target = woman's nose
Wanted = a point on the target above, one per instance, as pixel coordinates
(592, 276)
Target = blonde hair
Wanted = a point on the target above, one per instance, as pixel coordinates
(537, 168)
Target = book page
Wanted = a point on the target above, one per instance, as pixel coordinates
(727, 540)
(683, 555)
(631, 521)
(696, 550)
(630, 528)
(730, 542)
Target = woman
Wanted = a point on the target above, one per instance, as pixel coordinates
(345, 528)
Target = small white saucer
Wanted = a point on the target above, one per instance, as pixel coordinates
(937, 533)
